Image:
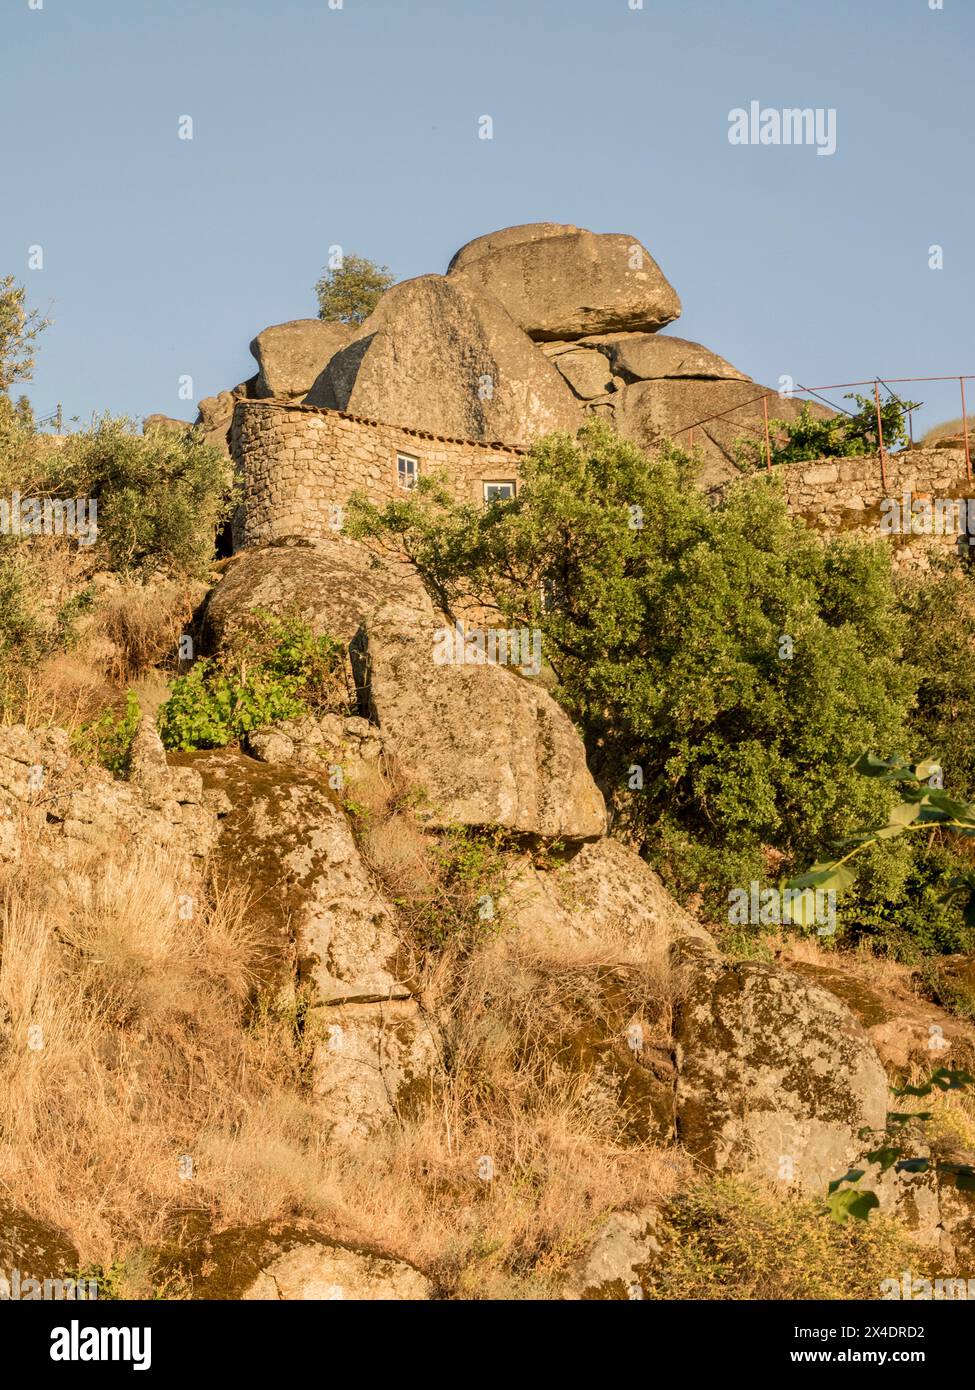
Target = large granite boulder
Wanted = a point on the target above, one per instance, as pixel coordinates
(603, 900)
(375, 1056)
(285, 835)
(332, 585)
(488, 747)
(565, 282)
(437, 356)
(650, 356)
(775, 1076)
(290, 356)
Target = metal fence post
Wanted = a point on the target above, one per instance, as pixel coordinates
(768, 447)
(964, 421)
(880, 436)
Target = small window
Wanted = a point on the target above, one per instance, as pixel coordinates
(498, 492)
(407, 469)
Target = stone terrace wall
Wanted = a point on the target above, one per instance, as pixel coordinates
(298, 463)
(847, 495)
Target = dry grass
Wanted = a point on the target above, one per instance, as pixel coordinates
(123, 1043)
(73, 671)
(150, 1053)
(144, 624)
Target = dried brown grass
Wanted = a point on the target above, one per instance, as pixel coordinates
(151, 1052)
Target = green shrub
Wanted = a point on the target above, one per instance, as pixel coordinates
(108, 739)
(940, 613)
(727, 1240)
(32, 626)
(838, 436)
(275, 669)
(161, 497)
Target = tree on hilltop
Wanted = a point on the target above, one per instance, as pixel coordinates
(349, 291)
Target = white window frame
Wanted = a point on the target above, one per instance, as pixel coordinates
(406, 478)
(499, 482)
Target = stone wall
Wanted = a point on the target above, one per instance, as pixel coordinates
(298, 463)
(849, 495)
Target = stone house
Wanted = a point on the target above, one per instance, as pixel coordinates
(299, 464)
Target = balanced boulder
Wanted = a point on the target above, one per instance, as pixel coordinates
(565, 282)
(650, 356)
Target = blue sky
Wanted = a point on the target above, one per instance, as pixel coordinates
(357, 126)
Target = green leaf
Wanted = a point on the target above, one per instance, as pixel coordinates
(893, 769)
(853, 1203)
(827, 875)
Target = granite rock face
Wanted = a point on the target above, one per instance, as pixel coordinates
(438, 356)
(776, 1077)
(488, 747)
(290, 356)
(565, 282)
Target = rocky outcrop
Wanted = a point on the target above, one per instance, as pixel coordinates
(374, 1055)
(652, 356)
(911, 1034)
(720, 413)
(332, 585)
(290, 356)
(615, 1266)
(488, 747)
(437, 356)
(938, 1212)
(565, 282)
(295, 1260)
(216, 413)
(77, 809)
(372, 1064)
(291, 841)
(775, 1076)
(601, 899)
(587, 371)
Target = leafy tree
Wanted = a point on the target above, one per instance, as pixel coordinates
(349, 293)
(19, 329)
(160, 497)
(725, 665)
